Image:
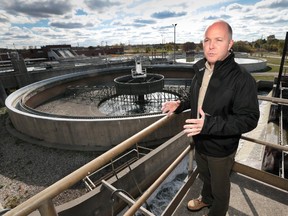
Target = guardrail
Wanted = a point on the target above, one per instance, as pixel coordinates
(43, 200)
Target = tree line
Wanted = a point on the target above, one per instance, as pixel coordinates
(271, 44)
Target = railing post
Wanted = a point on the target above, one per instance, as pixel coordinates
(48, 208)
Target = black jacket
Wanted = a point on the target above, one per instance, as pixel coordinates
(230, 105)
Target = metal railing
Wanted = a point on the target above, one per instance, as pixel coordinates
(129, 157)
(281, 102)
(43, 200)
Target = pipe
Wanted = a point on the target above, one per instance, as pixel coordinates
(261, 175)
(273, 99)
(280, 147)
(124, 197)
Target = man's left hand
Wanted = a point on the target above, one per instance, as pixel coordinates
(194, 126)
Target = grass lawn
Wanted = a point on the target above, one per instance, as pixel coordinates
(273, 65)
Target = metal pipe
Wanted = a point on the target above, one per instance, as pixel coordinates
(126, 198)
(281, 138)
(280, 147)
(273, 99)
(156, 184)
(37, 200)
(174, 25)
(261, 175)
(277, 89)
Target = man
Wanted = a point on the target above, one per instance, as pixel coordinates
(223, 105)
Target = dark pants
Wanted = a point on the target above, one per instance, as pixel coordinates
(215, 173)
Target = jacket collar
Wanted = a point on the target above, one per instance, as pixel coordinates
(200, 65)
(228, 60)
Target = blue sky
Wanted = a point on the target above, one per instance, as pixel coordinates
(38, 23)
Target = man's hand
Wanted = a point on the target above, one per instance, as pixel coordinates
(169, 107)
(194, 126)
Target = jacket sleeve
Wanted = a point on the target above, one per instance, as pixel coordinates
(242, 117)
(184, 105)
(185, 102)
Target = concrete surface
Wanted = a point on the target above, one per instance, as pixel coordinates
(248, 197)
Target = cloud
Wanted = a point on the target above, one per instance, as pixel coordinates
(70, 25)
(134, 21)
(37, 8)
(238, 8)
(99, 5)
(144, 21)
(219, 17)
(272, 4)
(167, 14)
(22, 37)
(8, 34)
(3, 19)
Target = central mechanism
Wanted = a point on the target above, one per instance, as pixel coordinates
(139, 83)
(137, 93)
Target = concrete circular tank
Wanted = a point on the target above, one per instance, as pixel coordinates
(97, 133)
(250, 64)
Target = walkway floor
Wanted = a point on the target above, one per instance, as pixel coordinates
(248, 197)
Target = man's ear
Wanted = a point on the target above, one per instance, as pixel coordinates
(230, 44)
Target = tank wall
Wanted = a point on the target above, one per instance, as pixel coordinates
(93, 134)
(257, 66)
(84, 134)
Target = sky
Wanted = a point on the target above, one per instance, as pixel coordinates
(36, 23)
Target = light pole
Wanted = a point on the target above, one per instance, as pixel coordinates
(174, 25)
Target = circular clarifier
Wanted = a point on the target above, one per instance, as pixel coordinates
(126, 105)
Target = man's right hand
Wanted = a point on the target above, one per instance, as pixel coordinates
(169, 107)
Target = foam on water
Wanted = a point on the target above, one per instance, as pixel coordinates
(160, 199)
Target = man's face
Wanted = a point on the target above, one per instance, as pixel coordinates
(217, 43)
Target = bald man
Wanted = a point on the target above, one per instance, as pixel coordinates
(223, 106)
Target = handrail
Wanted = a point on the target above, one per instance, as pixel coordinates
(261, 175)
(280, 134)
(43, 200)
(108, 165)
(282, 101)
(40, 199)
(123, 196)
(280, 147)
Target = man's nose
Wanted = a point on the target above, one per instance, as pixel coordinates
(211, 45)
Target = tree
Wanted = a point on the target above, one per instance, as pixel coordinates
(242, 46)
(189, 46)
(169, 47)
(281, 44)
(148, 49)
(270, 37)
